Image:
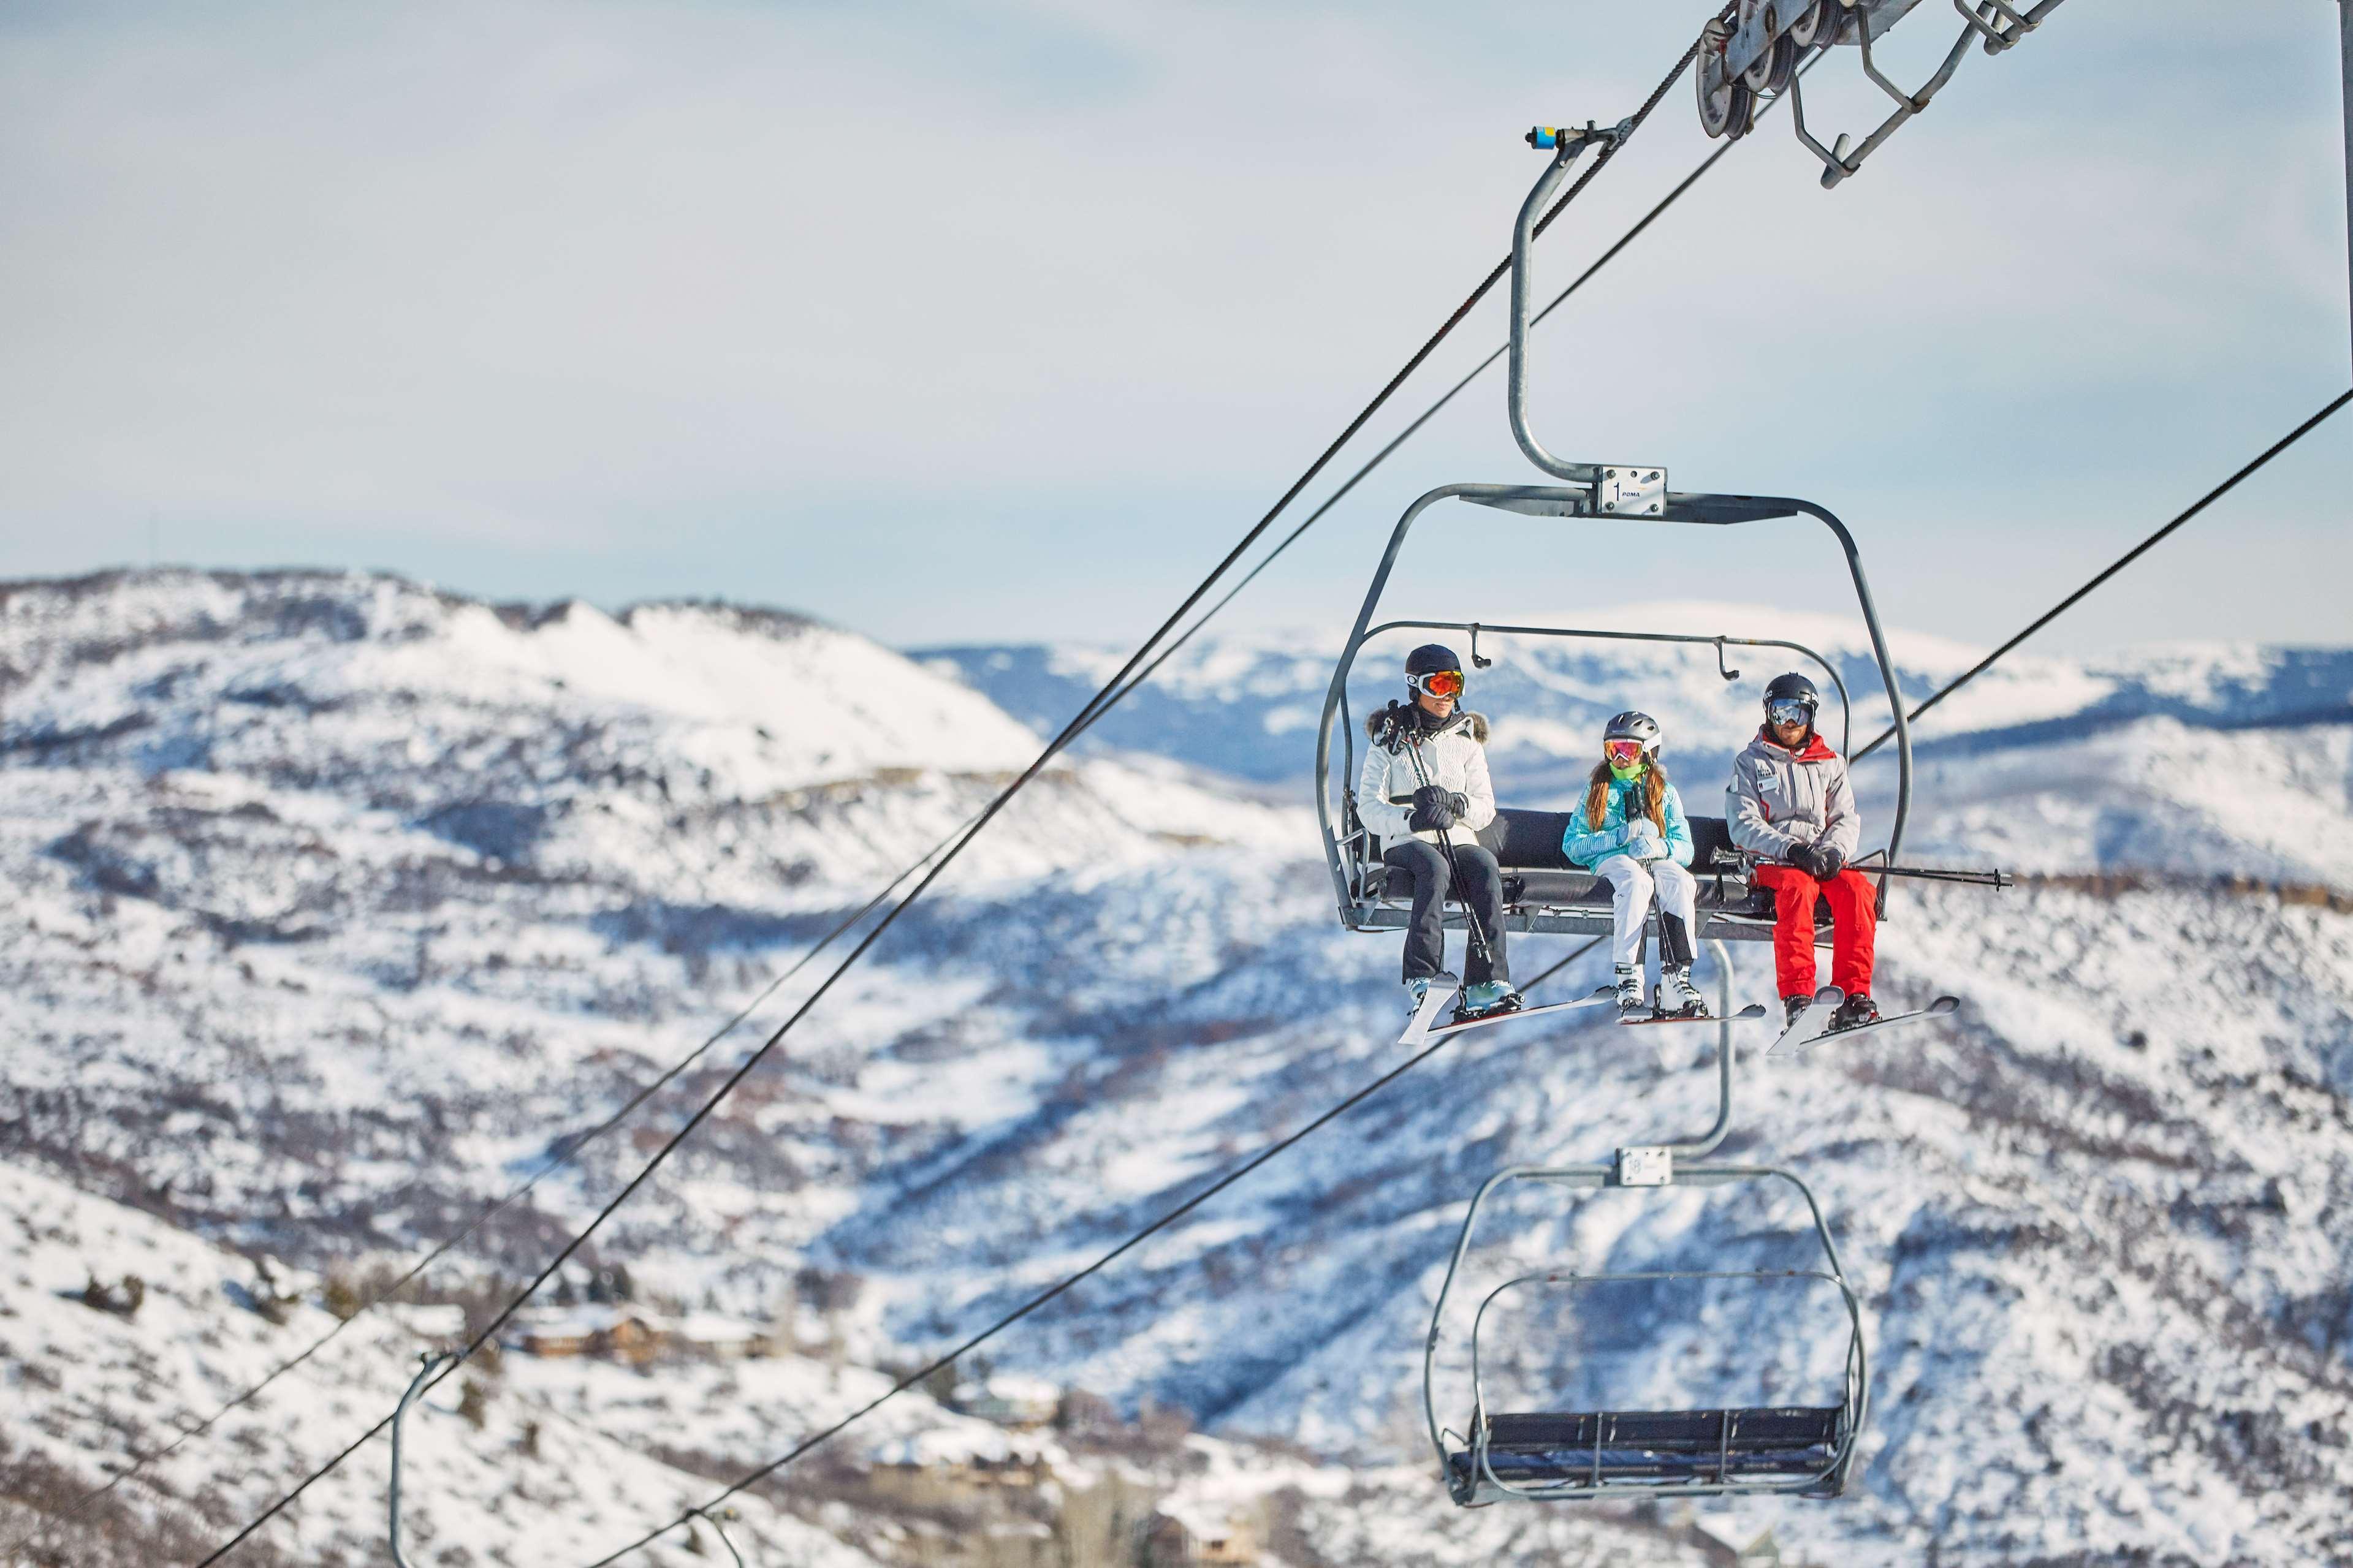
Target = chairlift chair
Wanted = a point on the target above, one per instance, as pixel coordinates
(1582, 1455)
(1544, 892)
(1549, 1455)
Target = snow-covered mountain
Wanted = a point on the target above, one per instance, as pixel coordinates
(1246, 703)
(340, 902)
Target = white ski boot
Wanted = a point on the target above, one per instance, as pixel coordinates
(1629, 991)
(1678, 997)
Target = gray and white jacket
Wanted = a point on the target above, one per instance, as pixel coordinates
(1779, 799)
(1454, 756)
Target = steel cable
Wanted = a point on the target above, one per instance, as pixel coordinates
(2118, 565)
(572, 1147)
(1112, 691)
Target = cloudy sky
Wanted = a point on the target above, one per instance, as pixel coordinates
(956, 321)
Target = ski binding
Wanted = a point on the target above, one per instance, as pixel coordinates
(1942, 1008)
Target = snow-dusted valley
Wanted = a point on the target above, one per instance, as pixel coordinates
(339, 904)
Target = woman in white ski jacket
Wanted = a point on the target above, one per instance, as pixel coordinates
(1423, 791)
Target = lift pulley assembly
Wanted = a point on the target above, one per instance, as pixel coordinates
(1755, 55)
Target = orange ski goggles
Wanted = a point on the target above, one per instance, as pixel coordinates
(1438, 683)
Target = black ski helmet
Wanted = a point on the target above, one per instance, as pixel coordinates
(1428, 659)
(1632, 726)
(1793, 688)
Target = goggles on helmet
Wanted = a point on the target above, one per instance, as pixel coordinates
(1437, 683)
(1789, 710)
(1621, 752)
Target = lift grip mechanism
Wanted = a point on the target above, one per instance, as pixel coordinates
(1571, 139)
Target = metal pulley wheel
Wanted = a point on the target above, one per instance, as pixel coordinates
(1770, 71)
(1817, 25)
(1725, 104)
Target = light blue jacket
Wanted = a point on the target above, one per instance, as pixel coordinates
(1589, 849)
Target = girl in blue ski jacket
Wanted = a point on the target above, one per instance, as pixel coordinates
(1630, 830)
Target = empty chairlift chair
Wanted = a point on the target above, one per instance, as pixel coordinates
(1557, 1455)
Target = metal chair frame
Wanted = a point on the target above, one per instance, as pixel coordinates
(1486, 1486)
(1616, 492)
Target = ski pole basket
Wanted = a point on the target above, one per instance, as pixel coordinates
(1575, 1455)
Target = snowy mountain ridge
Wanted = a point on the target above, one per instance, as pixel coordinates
(1246, 703)
(340, 903)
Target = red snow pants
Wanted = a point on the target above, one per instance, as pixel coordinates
(1854, 905)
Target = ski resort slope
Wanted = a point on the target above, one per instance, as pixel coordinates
(314, 972)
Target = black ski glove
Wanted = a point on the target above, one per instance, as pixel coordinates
(1434, 810)
(1806, 859)
(1828, 862)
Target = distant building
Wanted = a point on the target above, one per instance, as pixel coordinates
(709, 1336)
(613, 1334)
(1183, 1533)
(1010, 1400)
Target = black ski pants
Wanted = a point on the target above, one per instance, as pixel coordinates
(1481, 883)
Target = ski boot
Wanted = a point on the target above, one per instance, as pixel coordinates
(1416, 992)
(1792, 1007)
(1629, 991)
(1854, 1013)
(1487, 997)
(1678, 997)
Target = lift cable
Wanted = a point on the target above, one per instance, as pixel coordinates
(1093, 709)
(1041, 1299)
(574, 1146)
(2118, 565)
(566, 1151)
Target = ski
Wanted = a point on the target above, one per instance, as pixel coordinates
(1645, 1020)
(1942, 1008)
(1810, 1021)
(1456, 1025)
(1442, 990)
(1638, 1021)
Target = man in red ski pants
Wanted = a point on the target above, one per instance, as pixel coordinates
(1790, 801)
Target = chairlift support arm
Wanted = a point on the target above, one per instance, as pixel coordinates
(433, 1362)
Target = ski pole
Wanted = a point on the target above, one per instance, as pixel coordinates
(1446, 846)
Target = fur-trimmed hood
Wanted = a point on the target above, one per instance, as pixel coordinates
(1461, 718)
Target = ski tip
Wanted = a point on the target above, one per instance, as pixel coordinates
(1943, 1005)
(1752, 1011)
(1829, 997)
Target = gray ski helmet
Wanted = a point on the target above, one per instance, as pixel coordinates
(1793, 688)
(1630, 726)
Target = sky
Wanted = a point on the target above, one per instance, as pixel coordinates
(955, 322)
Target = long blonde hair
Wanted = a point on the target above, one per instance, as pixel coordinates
(1654, 793)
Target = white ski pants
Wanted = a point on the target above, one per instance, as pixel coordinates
(1633, 882)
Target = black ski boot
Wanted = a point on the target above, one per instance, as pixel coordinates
(1854, 1013)
(1791, 1007)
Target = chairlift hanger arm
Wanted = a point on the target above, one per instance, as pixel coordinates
(1639, 493)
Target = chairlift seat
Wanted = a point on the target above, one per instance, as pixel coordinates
(1543, 890)
(1556, 1453)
